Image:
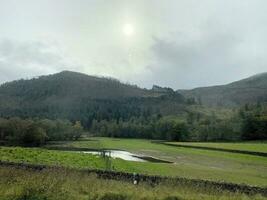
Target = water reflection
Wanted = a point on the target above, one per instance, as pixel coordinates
(125, 155)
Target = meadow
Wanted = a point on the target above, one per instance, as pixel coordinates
(188, 163)
(259, 146)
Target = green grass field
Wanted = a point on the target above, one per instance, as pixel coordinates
(260, 146)
(188, 163)
(53, 184)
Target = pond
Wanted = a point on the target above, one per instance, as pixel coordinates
(125, 155)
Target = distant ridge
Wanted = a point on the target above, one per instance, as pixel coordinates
(78, 96)
(248, 90)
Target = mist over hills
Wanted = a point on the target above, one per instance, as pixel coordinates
(249, 90)
(73, 84)
(75, 95)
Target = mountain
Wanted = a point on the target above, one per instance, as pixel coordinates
(249, 90)
(77, 96)
(73, 84)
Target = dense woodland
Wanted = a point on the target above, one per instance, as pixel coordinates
(37, 132)
(62, 106)
(78, 97)
(246, 123)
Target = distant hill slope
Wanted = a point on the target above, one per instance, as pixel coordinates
(73, 84)
(78, 96)
(249, 90)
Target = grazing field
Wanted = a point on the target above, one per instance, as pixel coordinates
(260, 146)
(190, 163)
(61, 184)
(187, 162)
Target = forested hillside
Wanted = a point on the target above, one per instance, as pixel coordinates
(250, 90)
(79, 97)
(107, 107)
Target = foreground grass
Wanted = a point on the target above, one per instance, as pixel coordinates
(18, 184)
(260, 146)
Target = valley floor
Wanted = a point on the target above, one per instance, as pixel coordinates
(187, 162)
(190, 163)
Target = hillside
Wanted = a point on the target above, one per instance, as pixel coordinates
(73, 84)
(78, 96)
(249, 90)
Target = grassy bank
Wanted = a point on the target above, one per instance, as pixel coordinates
(17, 184)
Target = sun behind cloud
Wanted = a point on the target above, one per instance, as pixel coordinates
(128, 30)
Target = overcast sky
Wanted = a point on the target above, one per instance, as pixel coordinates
(174, 43)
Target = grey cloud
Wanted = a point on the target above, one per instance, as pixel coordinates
(212, 58)
(196, 44)
(28, 59)
(192, 53)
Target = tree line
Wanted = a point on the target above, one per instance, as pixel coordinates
(153, 127)
(247, 123)
(35, 132)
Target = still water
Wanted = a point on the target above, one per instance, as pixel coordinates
(125, 155)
